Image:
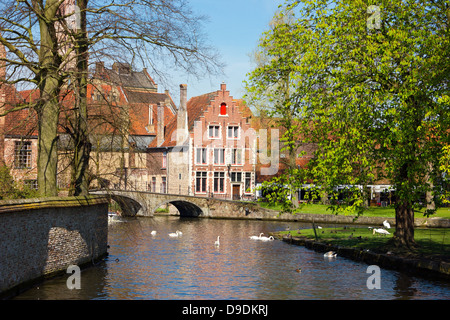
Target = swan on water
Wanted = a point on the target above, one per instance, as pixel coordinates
(217, 243)
(153, 233)
(267, 238)
(330, 254)
(174, 234)
(380, 231)
(256, 237)
(386, 224)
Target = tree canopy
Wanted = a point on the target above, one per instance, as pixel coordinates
(370, 83)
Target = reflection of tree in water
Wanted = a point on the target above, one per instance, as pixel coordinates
(404, 287)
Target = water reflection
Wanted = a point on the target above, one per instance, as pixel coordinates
(143, 266)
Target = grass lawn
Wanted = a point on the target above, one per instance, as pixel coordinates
(387, 212)
(432, 242)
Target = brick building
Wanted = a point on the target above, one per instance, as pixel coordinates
(209, 149)
(18, 132)
(122, 121)
(141, 105)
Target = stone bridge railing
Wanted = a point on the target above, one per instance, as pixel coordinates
(141, 203)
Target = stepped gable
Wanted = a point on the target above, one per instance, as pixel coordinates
(196, 106)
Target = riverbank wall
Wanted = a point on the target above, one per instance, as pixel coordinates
(41, 238)
(412, 265)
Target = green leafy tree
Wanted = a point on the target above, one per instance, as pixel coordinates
(270, 90)
(445, 168)
(374, 86)
(10, 189)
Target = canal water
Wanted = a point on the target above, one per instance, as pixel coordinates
(147, 267)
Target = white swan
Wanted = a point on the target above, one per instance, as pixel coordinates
(217, 243)
(153, 233)
(330, 254)
(380, 231)
(174, 234)
(179, 232)
(267, 238)
(386, 224)
(256, 237)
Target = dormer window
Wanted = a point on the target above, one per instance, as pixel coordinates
(223, 109)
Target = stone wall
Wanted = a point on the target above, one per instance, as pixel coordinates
(40, 238)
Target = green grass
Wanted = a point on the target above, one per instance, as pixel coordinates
(431, 242)
(387, 212)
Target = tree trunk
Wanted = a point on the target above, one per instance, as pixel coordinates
(82, 144)
(404, 226)
(324, 198)
(48, 106)
(47, 159)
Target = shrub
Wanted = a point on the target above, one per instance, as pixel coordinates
(10, 189)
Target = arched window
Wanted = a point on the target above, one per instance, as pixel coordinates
(223, 109)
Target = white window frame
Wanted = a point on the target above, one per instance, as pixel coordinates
(236, 174)
(220, 156)
(220, 177)
(247, 176)
(233, 132)
(234, 156)
(203, 175)
(205, 155)
(218, 131)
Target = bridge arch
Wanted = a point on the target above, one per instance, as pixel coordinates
(128, 205)
(186, 208)
(139, 203)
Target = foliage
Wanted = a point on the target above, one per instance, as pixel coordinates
(445, 168)
(370, 96)
(270, 89)
(10, 189)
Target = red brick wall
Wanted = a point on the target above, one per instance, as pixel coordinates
(201, 139)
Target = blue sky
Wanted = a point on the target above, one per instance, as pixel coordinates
(234, 28)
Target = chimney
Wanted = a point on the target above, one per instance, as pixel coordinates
(160, 131)
(182, 118)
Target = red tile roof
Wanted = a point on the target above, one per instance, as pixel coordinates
(22, 122)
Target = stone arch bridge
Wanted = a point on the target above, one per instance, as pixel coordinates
(142, 203)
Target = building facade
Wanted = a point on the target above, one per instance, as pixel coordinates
(209, 149)
(122, 120)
